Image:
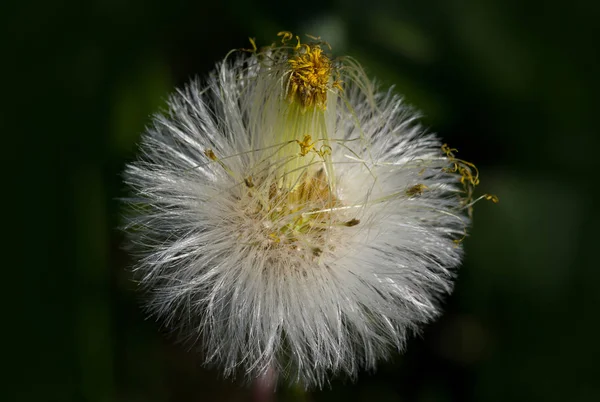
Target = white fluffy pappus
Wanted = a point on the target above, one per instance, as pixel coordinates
(290, 218)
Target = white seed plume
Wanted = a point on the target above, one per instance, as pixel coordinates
(289, 217)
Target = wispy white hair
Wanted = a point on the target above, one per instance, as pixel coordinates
(324, 275)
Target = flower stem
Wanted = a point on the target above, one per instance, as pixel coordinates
(263, 387)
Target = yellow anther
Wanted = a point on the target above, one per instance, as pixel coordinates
(210, 154)
(306, 145)
(448, 151)
(324, 151)
(254, 47)
(253, 43)
(337, 85)
(469, 178)
(352, 222)
(491, 197)
(416, 190)
(457, 242)
(285, 36)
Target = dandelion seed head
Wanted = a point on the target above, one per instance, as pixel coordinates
(286, 222)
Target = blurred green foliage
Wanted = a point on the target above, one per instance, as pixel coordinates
(512, 84)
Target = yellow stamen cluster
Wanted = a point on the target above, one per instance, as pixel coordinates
(310, 76)
(469, 174)
(469, 178)
(292, 214)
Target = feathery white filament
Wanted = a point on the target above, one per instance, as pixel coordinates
(307, 240)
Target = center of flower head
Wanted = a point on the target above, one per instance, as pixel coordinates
(299, 217)
(303, 217)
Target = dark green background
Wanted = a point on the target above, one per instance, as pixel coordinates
(513, 84)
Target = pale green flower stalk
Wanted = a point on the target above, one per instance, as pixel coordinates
(290, 218)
